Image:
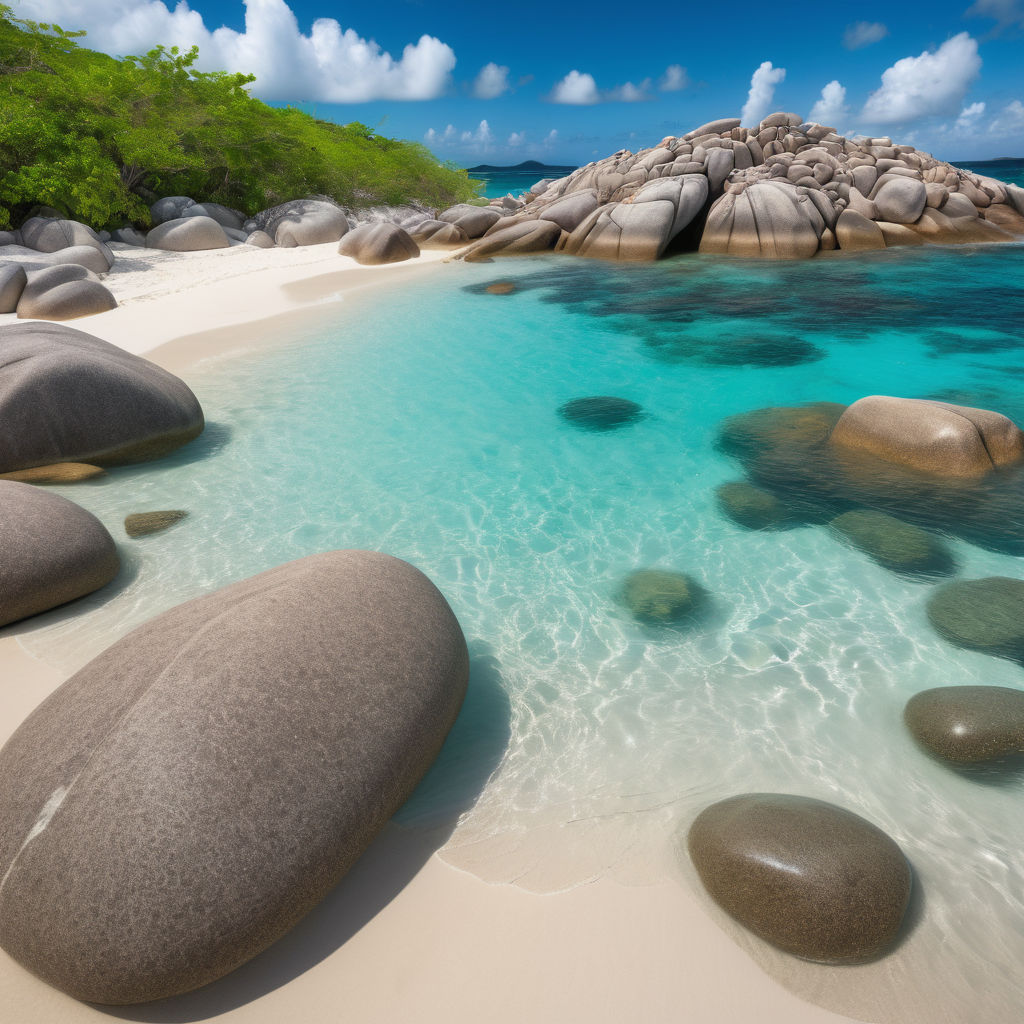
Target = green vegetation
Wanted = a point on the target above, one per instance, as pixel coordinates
(100, 138)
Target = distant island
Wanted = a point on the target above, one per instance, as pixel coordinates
(526, 167)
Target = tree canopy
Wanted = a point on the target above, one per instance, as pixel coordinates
(99, 138)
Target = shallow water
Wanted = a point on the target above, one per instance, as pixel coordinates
(423, 422)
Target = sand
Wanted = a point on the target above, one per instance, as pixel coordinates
(405, 936)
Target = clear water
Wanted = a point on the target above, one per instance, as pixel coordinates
(501, 183)
(422, 421)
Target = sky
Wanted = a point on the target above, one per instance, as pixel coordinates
(550, 82)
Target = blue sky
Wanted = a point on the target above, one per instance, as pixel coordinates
(568, 85)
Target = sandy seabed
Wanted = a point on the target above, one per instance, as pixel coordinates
(405, 936)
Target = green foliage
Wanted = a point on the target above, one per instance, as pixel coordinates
(100, 138)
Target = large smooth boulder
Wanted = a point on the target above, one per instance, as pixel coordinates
(66, 396)
(474, 220)
(374, 244)
(437, 234)
(985, 615)
(516, 240)
(53, 552)
(303, 222)
(12, 283)
(169, 208)
(46, 234)
(769, 220)
(662, 597)
(901, 200)
(570, 211)
(807, 876)
(188, 234)
(751, 507)
(858, 233)
(945, 440)
(895, 544)
(687, 194)
(223, 215)
(968, 725)
(625, 231)
(63, 292)
(203, 788)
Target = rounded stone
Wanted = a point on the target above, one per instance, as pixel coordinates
(66, 396)
(141, 524)
(188, 234)
(376, 244)
(779, 427)
(968, 725)
(67, 301)
(183, 800)
(894, 544)
(501, 288)
(57, 473)
(901, 200)
(601, 412)
(12, 283)
(985, 615)
(662, 597)
(809, 877)
(750, 506)
(303, 222)
(53, 552)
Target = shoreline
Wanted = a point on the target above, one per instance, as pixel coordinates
(404, 933)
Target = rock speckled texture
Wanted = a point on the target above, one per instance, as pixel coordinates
(807, 876)
(66, 396)
(188, 234)
(894, 544)
(375, 244)
(984, 615)
(968, 725)
(141, 524)
(196, 789)
(53, 552)
(662, 597)
(750, 506)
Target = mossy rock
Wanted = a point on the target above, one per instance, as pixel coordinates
(662, 597)
(57, 473)
(501, 288)
(140, 524)
(601, 412)
(798, 426)
(984, 615)
(894, 544)
(751, 507)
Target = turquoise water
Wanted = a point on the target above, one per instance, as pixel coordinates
(423, 421)
(500, 183)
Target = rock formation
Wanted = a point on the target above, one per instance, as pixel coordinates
(201, 789)
(750, 506)
(53, 551)
(374, 244)
(968, 725)
(66, 396)
(807, 876)
(783, 189)
(984, 615)
(894, 544)
(662, 597)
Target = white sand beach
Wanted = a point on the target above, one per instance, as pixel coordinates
(405, 936)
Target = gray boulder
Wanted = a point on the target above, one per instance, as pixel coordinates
(260, 239)
(223, 215)
(985, 615)
(857, 233)
(98, 258)
(687, 194)
(63, 292)
(303, 222)
(807, 876)
(516, 240)
(719, 127)
(625, 231)
(474, 220)
(12, 283)
(436, 234)
(47, 235)
(937, 438)
(66, 396)
(901, 200)
(54, 551)
(169, 208)
(374, 244)
(770, 219)
(570, 211)
(203, 789)
(968, 725)
(188, 234)
(128, 236)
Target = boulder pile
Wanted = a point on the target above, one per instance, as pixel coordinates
(783, 189)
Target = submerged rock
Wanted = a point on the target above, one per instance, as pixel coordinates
(141, 524)
(53, 552)
(894, 544)
(601, 412)
(662, 597)
(203, 788)
(968, 725)
(501, 288)
(750, 506)
(984, 615)
(809, 877)
(57, 473)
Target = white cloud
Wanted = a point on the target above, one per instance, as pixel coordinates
(674, 79)
(969, 116)
(516, 139)
(580, 89)
(929, 84)
(863, 33)
(330, 64)
(491, 82)
(481, 138)
(831, 107)
(1010, 120)
(576, 88)
(1005, 12)
(762, 90)
(552, 136)
(440, 138)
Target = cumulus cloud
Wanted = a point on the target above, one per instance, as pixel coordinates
(1010, 120)
(762, 91)
(831, 107)
(481, 138)
(863, 33)
(516, 139)
(1005, 13)
(579, 89)
(491, 82)
(434, 138)
(969, 116)
(929, 84)
(330, 64)
(674, 79)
